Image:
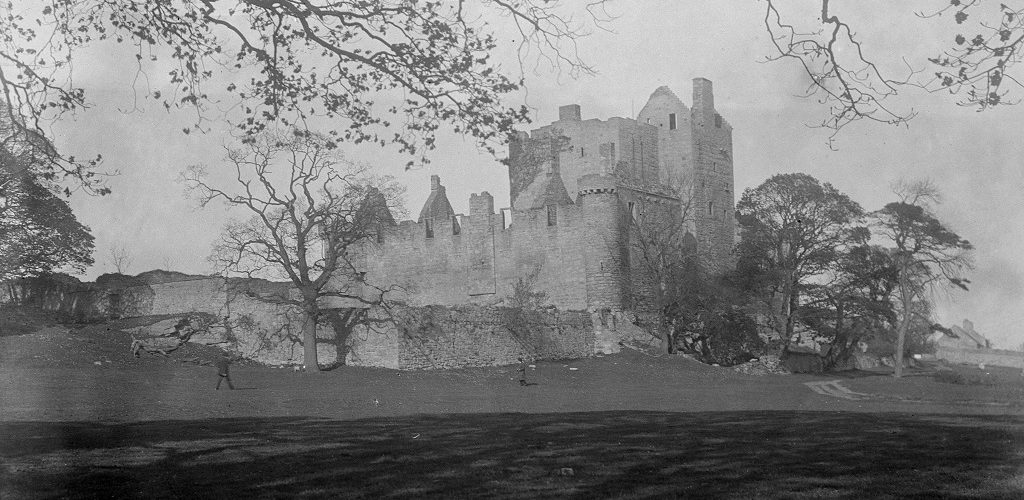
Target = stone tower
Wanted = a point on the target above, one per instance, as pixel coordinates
(604, 245)
(695, 156)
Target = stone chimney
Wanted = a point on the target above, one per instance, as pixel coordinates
(703, 97)
(569, 113)
(435, 182)
(481, 204)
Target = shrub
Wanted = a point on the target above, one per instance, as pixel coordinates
(731, 339)
(961, 378)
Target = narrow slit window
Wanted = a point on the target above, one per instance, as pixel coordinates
(711, 208)
(429, 228)
(552, 215)
(671, 121)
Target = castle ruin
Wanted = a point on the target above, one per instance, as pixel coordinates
(574, 184)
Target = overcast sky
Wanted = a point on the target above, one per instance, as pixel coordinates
(975, 158)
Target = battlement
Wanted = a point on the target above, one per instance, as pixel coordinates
(597, 184)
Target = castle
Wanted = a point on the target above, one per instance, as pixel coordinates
(574, 186)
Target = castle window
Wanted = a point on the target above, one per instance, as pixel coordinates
(429, 227)
(581, 151)
(718, 120)
(671, 121)
(711, 208)
(552, 215)
(456, 229)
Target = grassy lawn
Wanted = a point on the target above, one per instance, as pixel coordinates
(81, 418)
(623, 454)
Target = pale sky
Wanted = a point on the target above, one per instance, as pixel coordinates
(975, 158)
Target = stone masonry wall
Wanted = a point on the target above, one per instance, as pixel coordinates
(713, 167)
(452, 337)
(994, 357)
(482, 263)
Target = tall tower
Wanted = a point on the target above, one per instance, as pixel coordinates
(695, 158)
(713, 168)
(604, 253)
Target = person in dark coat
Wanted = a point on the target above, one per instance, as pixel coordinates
(222, 371)
(522, 371)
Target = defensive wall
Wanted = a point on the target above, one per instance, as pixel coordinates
(570, 252)
(402, 337)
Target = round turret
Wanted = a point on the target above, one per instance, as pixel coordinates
(604, 245)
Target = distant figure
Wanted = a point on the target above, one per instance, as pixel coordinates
(222, 371)
(522, 371)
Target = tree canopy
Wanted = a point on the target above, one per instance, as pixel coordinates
(926, 253)
(793, 228)
(38, 232)
(380, 71)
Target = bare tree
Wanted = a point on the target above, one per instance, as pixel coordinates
(663, 255)
(120, 258)
(309, 210)
(927, 254)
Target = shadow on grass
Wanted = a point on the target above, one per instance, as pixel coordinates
(630, 454)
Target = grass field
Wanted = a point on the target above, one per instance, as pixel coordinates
(623, 426)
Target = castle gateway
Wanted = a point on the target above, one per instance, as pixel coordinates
(575, 185)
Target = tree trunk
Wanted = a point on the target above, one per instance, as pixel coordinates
(309, 342)
(897, 357)
(901, 333)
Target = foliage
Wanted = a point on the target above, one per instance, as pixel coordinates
(727, 338)
(793, 231)
(977, 66)
(853, 303)
(961, 378)
(522, 317)
(385, 71)
(926, 253)
(38, 232)
(310, 213)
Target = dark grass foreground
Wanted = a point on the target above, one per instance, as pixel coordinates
(611, 454)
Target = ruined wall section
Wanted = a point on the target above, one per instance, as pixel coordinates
(651, 216)
(618, 145)
(437, 337)
(674, 123)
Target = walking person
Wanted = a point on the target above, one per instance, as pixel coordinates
(522, 371)
(222, 371)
